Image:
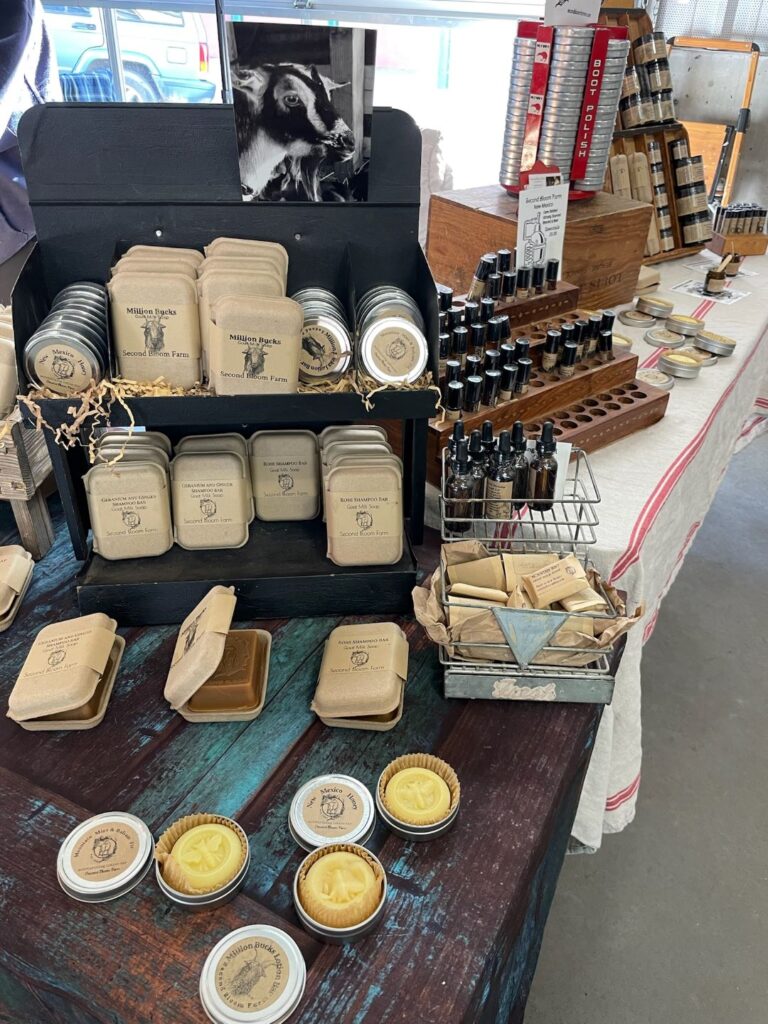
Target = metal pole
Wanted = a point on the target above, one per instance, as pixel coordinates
(221, 31)
(113, 51)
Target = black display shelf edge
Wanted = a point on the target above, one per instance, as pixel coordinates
(242, 410)
(281, 572)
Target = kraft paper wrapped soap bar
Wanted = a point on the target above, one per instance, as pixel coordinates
(285, 471)
(67, 678)
(556, 581)
(218, 674)
(254, 346)
(129, 506)
(155, 327)
(362, 677)
(211, 498)
(16, 567)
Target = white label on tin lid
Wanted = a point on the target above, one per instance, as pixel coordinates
(321, 352)
(252, 974)
(62, 367)
(105, 851)
(395, 352)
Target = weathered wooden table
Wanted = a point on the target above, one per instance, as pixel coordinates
(466, 913)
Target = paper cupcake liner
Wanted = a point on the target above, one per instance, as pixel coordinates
(172, 873)
(344, 917)
(434, 764)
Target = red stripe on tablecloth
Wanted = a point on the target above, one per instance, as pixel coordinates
(615, 801)
(756, 421)
(651, 624)
(762, 402)
(666, 485)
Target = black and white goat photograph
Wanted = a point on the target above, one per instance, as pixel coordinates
(303, 103)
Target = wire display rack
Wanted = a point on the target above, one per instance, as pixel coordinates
(526, 662)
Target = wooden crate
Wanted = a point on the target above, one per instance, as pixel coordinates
(604, 240)
(745, 245)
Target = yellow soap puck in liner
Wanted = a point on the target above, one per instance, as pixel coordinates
(340, 889)
(677, 357)
(204, 859)
(417, 796)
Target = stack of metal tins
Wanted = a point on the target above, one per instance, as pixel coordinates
(570, 61)
(605, 117)
(517, 110)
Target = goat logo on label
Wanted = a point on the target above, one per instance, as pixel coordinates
(364, 520)
(285, 482)
(207, 508)
(254, 358)
(154, 334)
(131, 519)
(63, 368)
(359, 658)
(314, 348)
(56, 657)
(247, 977)
(331, 806)
(104, 847)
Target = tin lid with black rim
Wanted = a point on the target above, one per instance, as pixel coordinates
(104, 857)
(254, 975)
(331, 809)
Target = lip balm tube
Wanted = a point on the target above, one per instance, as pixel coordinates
(492, 359)
(582, 338)
(507, 352)
(473, 366)
(455, 317)
(471, 313)
(493, 286)
(568, 334)
(568, 359)
(472, 388)
(445, 351)
(508, 287)
(477, 336)
(452, 373)
(524, 364)
(523, 282)
(551, 350)
(605, 347)
(553, 272)
(522, 348)
(595, 326)
(454, 400)
(494, 258)
(484, 267)
(444, 297)
(459, 342)
(537, 277)
(493, 332)
(491, 383)
(487, 309)
(505, 260)
(507, 385)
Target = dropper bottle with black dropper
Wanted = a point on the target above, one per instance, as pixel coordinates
(459, 492)
(543, 470)
(519, 465)
(453, 440)
(477, 469)
(498, 486)
(489, 443)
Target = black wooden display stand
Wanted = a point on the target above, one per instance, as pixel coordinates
(104, 175)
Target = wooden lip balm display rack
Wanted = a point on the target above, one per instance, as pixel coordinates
(753, 244)
(185, 195)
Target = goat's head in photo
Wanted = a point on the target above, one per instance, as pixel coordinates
(292, 105)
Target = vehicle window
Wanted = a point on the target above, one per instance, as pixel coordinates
(76, 12)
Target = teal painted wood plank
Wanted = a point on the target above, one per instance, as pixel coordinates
(216, 767)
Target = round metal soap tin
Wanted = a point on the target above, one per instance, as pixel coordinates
(636, 318)
(687, 325)
(408, 332)
(339, 936)
(654, 306)
(662, 337)
(217, 898)
(656, 379)
(714, 343)
(116, 851)
(339, 794)
(416, 833)
(678, 369)
(254, 944)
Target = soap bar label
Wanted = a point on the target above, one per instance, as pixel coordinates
(286, 479)
(332, 810)
(157, 340)
(366, 515)
(254, 362)
(208, 502)
(252, 974)
(65, 652)
(320, 353)
(131, 515)
(212, 615)
(359, 654)
(105, 852)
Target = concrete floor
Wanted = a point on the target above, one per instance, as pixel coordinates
(668, 923)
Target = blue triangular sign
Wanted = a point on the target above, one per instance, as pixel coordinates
(527, 630)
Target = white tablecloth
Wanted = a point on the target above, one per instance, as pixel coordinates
(656, 487)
